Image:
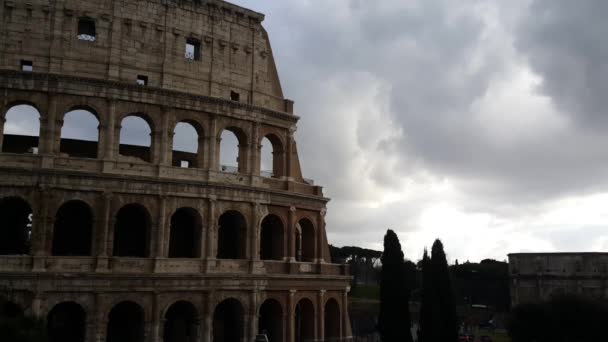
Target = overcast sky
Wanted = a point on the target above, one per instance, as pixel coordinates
(481, 122)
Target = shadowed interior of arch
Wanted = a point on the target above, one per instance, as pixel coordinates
(126, 323)
(272, 238)
(135, 138)
(66, 322)
(332, 320)
(228, 321)
(271, 320)
(304, 321)
(185, 234)
(73, 229)
(15, 235)
(79, 134)
(186, 147)
(131, 232)
(305, 248)
(271, 157)
(181, 323)
(21, 129)
(232, 236)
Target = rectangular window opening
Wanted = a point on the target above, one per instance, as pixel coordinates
(27, 65)
(193, 49)
(184, 164)
(234, 96)
(86, 29)
(142, 80)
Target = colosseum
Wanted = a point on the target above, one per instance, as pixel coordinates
(108, 238)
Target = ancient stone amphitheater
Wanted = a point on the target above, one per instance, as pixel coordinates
(107, 240)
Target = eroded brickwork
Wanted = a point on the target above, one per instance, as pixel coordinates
(121, 239)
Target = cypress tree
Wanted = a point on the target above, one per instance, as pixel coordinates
(448, 328)
(394, 317)
(429, 319)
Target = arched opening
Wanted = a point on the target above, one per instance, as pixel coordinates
(185, 234)
(73, 230)
(66, 322)
(271, 320)
(9, 310)
(305, 249)
(135, 138)
(16, 229)
(271, 238)
(305, 321)
(233, 150)
(272, 157)
(21, 130)
(126, 323)
(185, 146)
(332, 320)
(228, 321)
(79, 134)
(181, 323)
(131, 232)
(232, 236)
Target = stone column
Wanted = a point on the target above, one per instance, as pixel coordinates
(319, 243)
(160, 245)
(108, 131)
(166, 140)
(253, 315)
(321, 315)
(211, 249)
(40, 225)
(156, 320)
(344, 321)
(57, 135)
(290, 317)
(102, 233)
(291, 235)
(254, 236)
(213, 143)
(208, 318)
(256, 148)
(101, 320)
(157, 147)
(201, 152)
(288, 160)
(47, 127)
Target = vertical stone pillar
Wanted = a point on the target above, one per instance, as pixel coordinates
(157, 147)
(256, 148)
(156, 320)
(211, 249)
(253, 315)
(213, 144)
(254, 236)
(321, 315)
(101, 320)
(201, 152)
(319, 242)
(160, 243)
(102, 233)
(345, 324)
(47, 127)
(108, 131)
(291, 235)
(208, 317)
(288, 160)
(165, 136)
(290, 317)
(57, 135)
(40, 225)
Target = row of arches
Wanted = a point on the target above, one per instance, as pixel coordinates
(182, 322)
(80, 129)
(74, 227)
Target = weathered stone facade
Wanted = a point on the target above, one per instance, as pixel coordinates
(118, 243)
(538, 276)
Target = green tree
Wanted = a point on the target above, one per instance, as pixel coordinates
(448, 328)
(394, 317)
(429, 308)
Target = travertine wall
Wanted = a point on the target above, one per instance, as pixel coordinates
(538, 276)
(148, 38)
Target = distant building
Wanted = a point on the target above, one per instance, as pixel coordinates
(538, 276)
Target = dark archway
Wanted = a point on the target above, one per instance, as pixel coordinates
(131, 231)
(232, 236)
(73, 229)
(181, 323)
(306, 247)
(186, 145)
(271, 320)
(271, 238)
(332, 320)
(66, 322)
(228, 321)
(9, 310)
(185, 234)
(304, 321)
(21, 130)
(79, 134)
(136, 137)
(126, 323)
(16, 229)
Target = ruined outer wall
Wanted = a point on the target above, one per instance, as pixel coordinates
(538, 276)
(135, 37)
